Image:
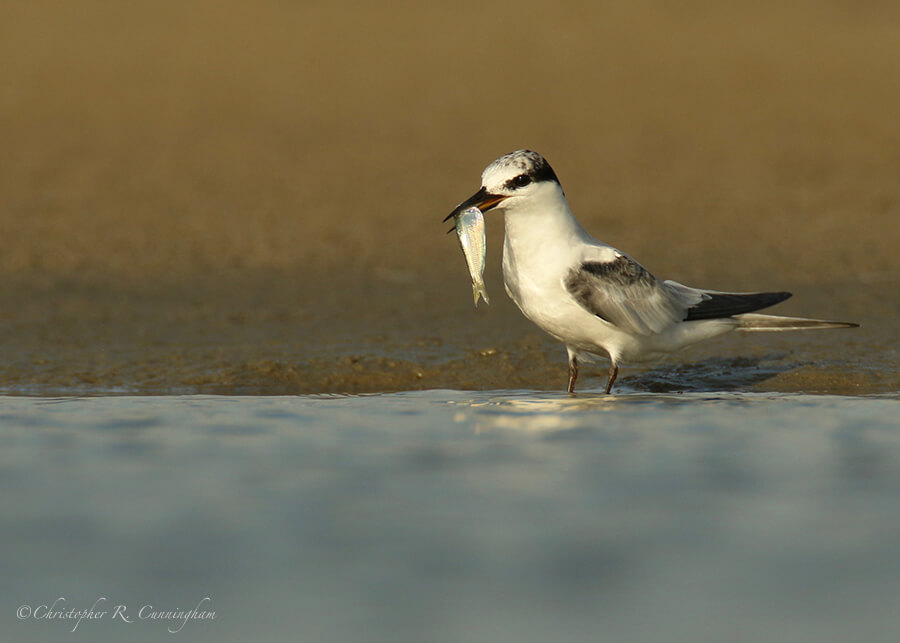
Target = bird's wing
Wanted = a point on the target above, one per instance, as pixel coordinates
(619, 290)
(716, 305)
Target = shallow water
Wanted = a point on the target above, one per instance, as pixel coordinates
(454, 516)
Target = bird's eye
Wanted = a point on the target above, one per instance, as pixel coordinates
(521, 181)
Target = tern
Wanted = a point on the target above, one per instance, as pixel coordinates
(593, 298)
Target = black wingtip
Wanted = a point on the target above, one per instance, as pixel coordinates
(725, 304)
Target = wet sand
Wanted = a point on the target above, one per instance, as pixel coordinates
(213, 198)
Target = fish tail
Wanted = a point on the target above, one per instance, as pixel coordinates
(478, 290)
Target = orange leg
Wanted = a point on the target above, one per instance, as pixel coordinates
(573, 372)
(613, 372)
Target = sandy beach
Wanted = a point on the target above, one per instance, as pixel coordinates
(223, 197)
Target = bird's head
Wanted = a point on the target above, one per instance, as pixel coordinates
(512, 181)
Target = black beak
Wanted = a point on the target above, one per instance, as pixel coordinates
(483, 200)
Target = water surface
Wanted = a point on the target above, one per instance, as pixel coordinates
(455, 516)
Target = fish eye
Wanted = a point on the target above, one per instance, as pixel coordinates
(520, 181)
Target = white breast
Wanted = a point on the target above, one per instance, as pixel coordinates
(540, 248)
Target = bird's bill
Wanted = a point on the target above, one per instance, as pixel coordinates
(483, 200)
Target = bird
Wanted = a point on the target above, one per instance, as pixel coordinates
(595, 299)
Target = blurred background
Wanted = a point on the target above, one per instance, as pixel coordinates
(228, 196)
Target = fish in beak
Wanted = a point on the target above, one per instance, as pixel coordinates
(483, 200)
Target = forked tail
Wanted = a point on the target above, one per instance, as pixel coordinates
(478, 290)
(754, 322)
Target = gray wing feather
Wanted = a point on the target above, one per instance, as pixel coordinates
(625, 294)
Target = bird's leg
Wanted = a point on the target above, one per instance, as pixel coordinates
(573, 371)
(613, 372)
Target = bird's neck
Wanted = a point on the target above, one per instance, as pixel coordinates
(542, 224)
(537, 250)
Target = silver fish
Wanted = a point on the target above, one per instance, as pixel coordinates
(470, 230)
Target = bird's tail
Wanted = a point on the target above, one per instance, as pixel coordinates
(754, 322)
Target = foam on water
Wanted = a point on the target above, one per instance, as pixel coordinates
(456, 516)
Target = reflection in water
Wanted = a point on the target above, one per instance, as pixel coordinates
(550, 412)
(557, 411)
(447, 516)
